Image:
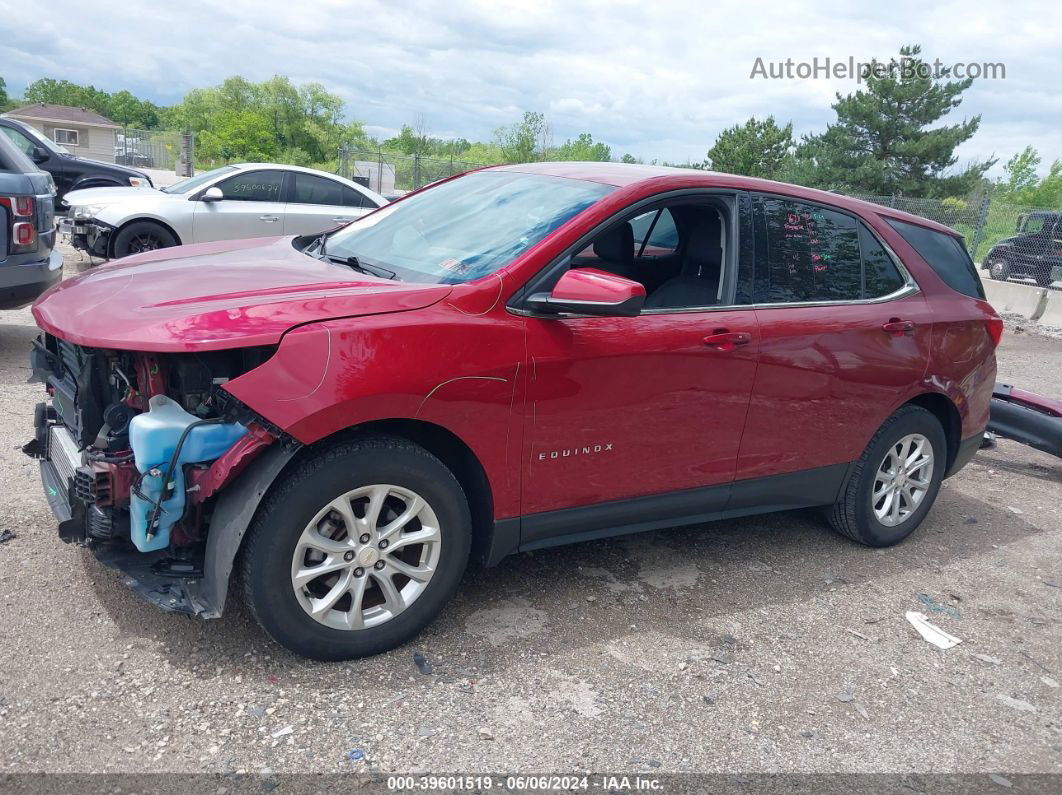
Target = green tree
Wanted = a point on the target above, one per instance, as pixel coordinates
(1020, 172)
(5, 100)
(629, 158)
(884, 141)
(524, 141)
(1022, 185)
(755, 149)
(582, 148)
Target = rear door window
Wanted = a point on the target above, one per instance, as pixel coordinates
(310, 189)
(945, 254)
(806, 253)
(881, 277)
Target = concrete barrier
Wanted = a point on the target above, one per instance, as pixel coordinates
(1052, 314)
(1020, 299)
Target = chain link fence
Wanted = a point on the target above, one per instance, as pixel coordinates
(391, 174)
(1010, 241)
(147, 148)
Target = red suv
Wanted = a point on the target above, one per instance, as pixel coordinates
(512, 359)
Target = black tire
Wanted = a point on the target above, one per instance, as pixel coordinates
(141, 236)
(853, 515)
(266, 559)
(999, 270)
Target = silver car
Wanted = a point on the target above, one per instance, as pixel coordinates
(228, 203)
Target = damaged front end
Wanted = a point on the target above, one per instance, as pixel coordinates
(136, 452)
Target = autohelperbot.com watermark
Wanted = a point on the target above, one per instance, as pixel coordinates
(827, 68)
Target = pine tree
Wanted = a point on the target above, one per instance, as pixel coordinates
(884, 141)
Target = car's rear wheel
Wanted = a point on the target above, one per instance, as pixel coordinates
(141, 236)
(357, 550)
(999, 270)
(894, 483)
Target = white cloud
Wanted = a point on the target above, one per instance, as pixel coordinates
(654, 79)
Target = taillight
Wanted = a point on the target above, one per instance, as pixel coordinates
(994, 326)
(23, 232)
(24, 235)
(22, 206)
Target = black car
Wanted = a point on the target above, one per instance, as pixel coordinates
(69, 172)
(29, 263)
(1034, 253)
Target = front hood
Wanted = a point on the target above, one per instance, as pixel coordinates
(230, 294)
(102, 196)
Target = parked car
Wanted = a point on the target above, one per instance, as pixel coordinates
(69, 172)
(29, 264)
(130, 157)
(496, 364)
(228, 203)
(1034, 253)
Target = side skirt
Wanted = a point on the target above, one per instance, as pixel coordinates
(786, 492)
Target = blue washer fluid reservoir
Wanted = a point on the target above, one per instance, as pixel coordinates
(153, 436)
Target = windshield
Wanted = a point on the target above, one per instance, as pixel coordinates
(43, 140)
(190, 184)
(466, 228)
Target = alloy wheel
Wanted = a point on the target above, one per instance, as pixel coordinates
(145, 242)
(903, 479)
(366, 557)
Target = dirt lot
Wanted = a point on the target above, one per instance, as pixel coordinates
(766, 644)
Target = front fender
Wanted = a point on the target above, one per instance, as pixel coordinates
(432, 365)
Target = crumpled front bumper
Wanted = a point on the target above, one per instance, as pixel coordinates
(88, 235)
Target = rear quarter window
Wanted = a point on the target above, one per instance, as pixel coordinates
(945, 254)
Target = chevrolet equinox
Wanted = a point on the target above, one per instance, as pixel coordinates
(511, 359)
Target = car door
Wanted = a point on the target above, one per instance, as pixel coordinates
(624, 407)
(843, 332)
(252, 206)
(317, 203)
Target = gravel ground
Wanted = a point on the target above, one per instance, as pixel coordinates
(766, 644)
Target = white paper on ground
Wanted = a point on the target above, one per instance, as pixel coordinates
(935, 635)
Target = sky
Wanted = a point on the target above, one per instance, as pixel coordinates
(655, 78)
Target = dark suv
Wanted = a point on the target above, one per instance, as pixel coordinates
(1034, 253)
(68, 171)
(29, 265)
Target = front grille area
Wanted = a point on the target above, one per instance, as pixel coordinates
(63, 452)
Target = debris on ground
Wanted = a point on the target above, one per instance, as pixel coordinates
(1003, 781)
(355, 754)
(422, 663)
(6, 536)
(930, 633)
(283, 732)
(861, 710)
(857, 634)
(1016, 703)
(987, 659)
(845, 696)
(934, 606)
(1047, 680)
(485, 733)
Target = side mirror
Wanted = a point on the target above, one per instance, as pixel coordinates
(39, 154)
(587, 291)
(212, 194)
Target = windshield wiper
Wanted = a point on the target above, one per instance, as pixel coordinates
(364, 267)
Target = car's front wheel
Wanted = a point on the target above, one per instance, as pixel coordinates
(141, 236)
(357, 550)
(894, 483)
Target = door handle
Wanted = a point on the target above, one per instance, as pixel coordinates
(269, 219)
(898, 327)
(341, 219)
(723, 340)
